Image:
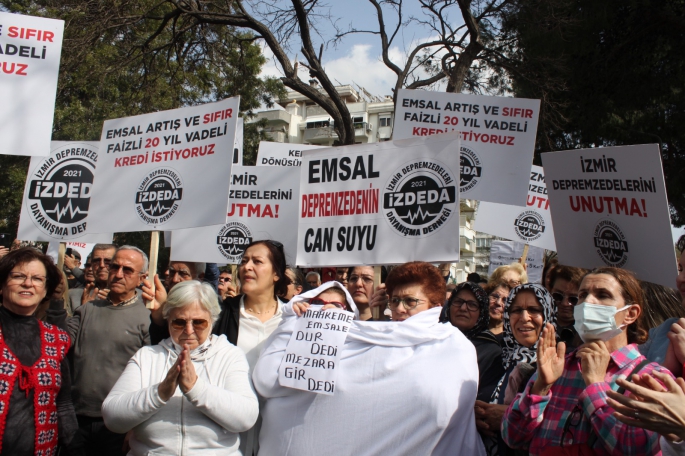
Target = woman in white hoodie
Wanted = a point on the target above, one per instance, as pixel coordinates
(190, 394)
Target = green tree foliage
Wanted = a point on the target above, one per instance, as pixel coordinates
(608, 72)
(131, 57)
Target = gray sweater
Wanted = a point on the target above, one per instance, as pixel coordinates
(103, 338)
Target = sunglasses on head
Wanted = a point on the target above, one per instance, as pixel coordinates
(180, 323)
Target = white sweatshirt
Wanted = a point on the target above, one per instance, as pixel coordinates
(204, 421)
(403, 388)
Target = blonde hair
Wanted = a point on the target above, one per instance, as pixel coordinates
(516, 267)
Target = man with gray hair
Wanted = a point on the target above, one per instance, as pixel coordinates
(105, 334)
(313, 279)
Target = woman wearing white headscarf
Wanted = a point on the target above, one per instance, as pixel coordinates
(384, 368)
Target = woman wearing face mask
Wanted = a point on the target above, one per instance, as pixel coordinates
(565, 403)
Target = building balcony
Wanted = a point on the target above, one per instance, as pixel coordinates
(277, 136)
(468, 233)
(276, 116)
(320, 135)
(362, 129)
(466, 245)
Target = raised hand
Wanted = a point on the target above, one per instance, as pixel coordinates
(379, 298)
(651, 406)
(550, 361)
(154, 299)
(594, 361)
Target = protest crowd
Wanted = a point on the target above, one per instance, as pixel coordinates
(569, 366)
(309, 306)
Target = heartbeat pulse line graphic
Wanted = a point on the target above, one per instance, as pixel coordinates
(157, 208)
(232, 249)
(411, 217)
(60, 212)
(612, 256)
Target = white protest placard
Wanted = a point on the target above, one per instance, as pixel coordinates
(238, 142)
(83, 248)
(281, 154)
(313, 351)
(531, 224)
(263, 205)
(165, 170)
(380, 203)
(56, 203)
(498, 138)
(609, 208)
(506, 252)
(30, 50)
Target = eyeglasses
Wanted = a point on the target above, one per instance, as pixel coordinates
(513, 282)
(532, 311)
(572, 420)
(471, 306)
(407, 302)
(367, 280)
(127, 270)
(319, 301)
(221, 279)
(496, 297)
(185, 275)
(198, 325)
(559, 298)
(99, 261)
(19, 278)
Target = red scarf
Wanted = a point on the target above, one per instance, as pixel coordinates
(44, 377)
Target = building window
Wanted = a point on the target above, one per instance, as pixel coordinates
(319, 124)
(385, 122)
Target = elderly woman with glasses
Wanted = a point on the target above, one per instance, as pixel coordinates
(190, 394)
(430, 367)
(36, 411)
(468, 310)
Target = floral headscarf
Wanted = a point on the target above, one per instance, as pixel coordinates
(512, 351)
(483, 303)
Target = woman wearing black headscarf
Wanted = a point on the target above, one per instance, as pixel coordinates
(468, 310)
(527, 311)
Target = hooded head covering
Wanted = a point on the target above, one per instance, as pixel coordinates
(512, 351)
(317, 291)
(483, 305)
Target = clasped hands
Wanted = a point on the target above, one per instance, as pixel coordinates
(182, 374)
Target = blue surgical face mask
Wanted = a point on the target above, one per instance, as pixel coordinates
(597, 322)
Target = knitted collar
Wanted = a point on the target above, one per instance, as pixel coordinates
(128, 302)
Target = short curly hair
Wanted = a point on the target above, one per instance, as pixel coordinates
(26, 255)
(420, 273)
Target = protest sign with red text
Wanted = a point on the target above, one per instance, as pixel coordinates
(166, 170)
(609, 208)
(497, 133)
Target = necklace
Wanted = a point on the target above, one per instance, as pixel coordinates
(263, 312)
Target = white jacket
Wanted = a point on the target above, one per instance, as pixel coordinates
(402, 388)
(204, 421)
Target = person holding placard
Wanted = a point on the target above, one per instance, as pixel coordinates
(204, 399)
(469, 310)
(381, 364)
(528, 309)
(564, 408)
(37, 412)
(226, 288)
(105, 333)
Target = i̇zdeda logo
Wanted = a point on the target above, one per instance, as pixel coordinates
(420, 197)
(159, 196)
(611, 244)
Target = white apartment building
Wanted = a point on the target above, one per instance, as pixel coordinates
(301, 121)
